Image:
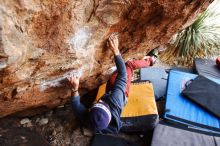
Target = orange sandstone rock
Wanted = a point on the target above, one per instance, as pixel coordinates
(43, 41)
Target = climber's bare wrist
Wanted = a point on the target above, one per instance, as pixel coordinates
(116, 52)
(74, 93)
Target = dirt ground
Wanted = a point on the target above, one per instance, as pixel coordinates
(57, 127)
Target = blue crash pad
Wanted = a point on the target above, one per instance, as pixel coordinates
(182, 110)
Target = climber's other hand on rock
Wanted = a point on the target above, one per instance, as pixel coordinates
(74, 82)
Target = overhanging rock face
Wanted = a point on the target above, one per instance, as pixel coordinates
(43, 41)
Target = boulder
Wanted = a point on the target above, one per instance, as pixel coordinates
(44, 41)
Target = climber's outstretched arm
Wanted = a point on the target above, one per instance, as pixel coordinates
(78, 108)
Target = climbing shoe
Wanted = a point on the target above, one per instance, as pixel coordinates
(153, 55)
(154, 52)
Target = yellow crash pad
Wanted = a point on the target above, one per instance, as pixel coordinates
(141, 100)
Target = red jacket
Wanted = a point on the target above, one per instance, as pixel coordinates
(218, 62)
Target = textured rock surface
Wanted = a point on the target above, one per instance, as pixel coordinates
(43, 41)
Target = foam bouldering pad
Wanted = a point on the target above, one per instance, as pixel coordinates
(158, 77)
(107, 140)
(140, 113)
(207, 67)
(183, 69)
(205, 93)
(169, 135)
(183, 110)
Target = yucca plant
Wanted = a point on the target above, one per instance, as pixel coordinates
(201, 39)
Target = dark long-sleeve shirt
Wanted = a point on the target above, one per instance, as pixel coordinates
(115, 98)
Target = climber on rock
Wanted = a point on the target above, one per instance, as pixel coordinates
(104, 115)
